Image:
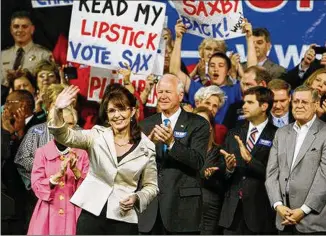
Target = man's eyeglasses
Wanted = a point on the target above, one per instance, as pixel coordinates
(122, 111)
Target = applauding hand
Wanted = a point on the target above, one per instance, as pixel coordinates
(245, 154)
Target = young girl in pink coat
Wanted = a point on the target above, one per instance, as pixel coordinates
(57, 173)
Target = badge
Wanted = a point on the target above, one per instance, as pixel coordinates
(6, 63)
(241, 117)
(266, 143)
(32, 58)
(39, 131)
(179, 134)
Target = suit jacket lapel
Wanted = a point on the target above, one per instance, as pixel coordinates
(109, 140)
(290, 145)
(309, 139)
(265, 135)
(182, 123)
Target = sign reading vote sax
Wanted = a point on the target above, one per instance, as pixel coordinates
(111, 33)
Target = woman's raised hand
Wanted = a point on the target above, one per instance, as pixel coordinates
(66, 97)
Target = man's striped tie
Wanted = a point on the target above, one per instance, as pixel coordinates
(252, 138)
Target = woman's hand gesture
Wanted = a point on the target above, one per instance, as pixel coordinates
(67, 97)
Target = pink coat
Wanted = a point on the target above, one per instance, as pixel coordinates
(53, 213)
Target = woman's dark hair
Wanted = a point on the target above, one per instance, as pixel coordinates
(121, 98)
(202, 109)
(24, 73)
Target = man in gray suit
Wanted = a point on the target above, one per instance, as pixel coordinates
(296, 170)
(262, 42)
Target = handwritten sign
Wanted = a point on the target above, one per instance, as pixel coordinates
(108, 34)
(51, 3)
(220, 19)
(100, 78)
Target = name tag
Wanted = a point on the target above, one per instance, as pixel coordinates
(39, 131)
(265, 142)
(5, 63)
(179, 134)
(242, 117)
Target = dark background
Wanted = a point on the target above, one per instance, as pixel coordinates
(49, 22)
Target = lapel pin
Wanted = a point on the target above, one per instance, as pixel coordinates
(182, 126)
(32, 58)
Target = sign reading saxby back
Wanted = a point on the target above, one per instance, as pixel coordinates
(214, 19)
(51, 3)
(100, 78)
(110, 33)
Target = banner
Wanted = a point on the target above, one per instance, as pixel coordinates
(51, 3)
(108, 34)
(293, 25)
(100, 78)
(211, 19)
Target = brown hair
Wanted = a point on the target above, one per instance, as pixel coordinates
(263, 95)
(279, 84)
(121, 98)
(261, 74)
(313, 76)
(205, 110)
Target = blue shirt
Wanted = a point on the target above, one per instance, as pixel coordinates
(232, 95)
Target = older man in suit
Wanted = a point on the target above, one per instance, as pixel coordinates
(181, 144)
(246, 207)
(295, 176)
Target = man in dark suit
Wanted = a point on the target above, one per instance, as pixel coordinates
(280, 114)
(295, 175)
(246, 208)
(181, 140)
(253, 76)
(309, 64)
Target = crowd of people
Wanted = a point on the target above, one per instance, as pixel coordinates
(230, 148)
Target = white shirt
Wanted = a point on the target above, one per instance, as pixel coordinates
(259, 127)
(28, 119)
(173, 121)
(284, 119)
(262, 62)
(301, 135)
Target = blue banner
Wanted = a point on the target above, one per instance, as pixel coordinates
(293, 24)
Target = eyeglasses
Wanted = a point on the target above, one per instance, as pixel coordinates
(112, 111)
(46, 75)
(13, 102)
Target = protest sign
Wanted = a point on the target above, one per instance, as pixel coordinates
(218, 19)
(100, 78)
(51, 3)
(108, 34)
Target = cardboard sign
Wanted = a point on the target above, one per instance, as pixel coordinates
(107, 34)
(100, 78)
(51, 3)
(220, 19)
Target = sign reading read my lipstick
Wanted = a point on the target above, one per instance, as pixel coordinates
(220, 19)
(110, 33)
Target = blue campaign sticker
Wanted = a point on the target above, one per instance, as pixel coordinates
(241, 117)
(265, 142)
(39, 131)
(179, 134)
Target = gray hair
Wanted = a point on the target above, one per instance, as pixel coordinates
(199, 95)
(180, 87)
(214, 90)
(305, 88)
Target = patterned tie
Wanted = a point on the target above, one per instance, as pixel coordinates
(19, 56)
(165, 146)
(252, 138)
(280, 123)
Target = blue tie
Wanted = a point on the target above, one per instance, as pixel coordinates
(165, 146)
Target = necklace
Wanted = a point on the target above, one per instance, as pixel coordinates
(64, 152)
(121, 145)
